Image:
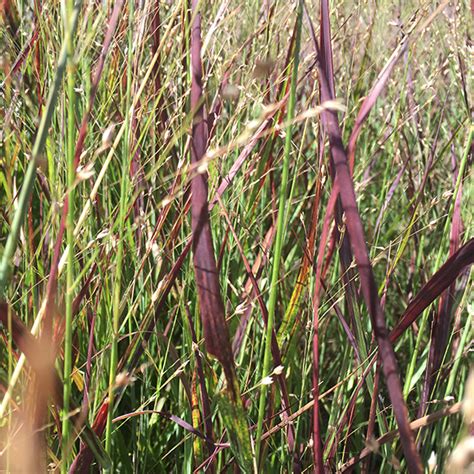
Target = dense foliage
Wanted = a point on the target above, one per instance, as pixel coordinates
(234, 234)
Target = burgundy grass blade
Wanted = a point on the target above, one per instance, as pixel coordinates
(457, 228)
(325, 52)
(440, 331)
(317, 438)
(84, 458)
(367, 280)
(345, 254)
(25, 52)
(215, 329)
(442, 279)
(369, 286)
(211, 306)
(372, 97)
(441, 327)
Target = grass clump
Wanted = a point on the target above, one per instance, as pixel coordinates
(235, 236)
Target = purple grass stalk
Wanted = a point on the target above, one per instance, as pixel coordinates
(216, 333)
(325, 47)
(345, 254)
(367, 280)
(325, 35)
(25, 52)
(442, 279)
(440, 328)
(457, 228)
(85, 457)
(317, 438)
(369, 287)
(211, 306)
